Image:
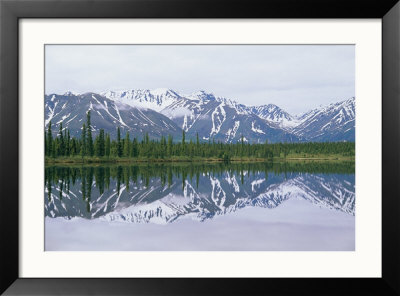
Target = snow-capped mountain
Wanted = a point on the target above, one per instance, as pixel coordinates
(210, 116)
(224, 120)
(273, 113)
(70, 110)
(156, 202)
(156, 99)
(335, 122)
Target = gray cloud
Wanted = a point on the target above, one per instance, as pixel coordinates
(294, 77)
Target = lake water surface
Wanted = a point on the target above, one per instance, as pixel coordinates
(204, 207)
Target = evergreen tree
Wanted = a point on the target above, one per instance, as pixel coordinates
(127, 145)
(114, 149)
(61, 144)
(102, 143)
(134, 150)
(266, 152)
(83, 141)
(54, 149)
(107, 146)
(191, 149)
(49, 141)
(73, 149)
(163, 147)
(169, 146)
(89, 141)
(99, 146)
(183, 142)
(67, 143)
(146, 147)
(197, 143)
(119, 144)
(241, 146)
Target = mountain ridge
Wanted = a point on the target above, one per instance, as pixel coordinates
(218, 118)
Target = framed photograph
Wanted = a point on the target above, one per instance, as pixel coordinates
(183, 147)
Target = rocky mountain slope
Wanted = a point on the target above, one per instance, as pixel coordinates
(165, 111)
(106, 114)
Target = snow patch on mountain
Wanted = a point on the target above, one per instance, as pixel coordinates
(218, 117)
(231, 180)
(256, 129)
(256, 183)
(231, 133)
(218, 195)
(51, 112)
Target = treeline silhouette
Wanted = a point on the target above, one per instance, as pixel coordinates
(63, 145)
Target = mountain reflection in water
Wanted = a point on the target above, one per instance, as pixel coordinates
(164, 193)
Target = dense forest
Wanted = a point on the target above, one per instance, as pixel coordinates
(101, 147)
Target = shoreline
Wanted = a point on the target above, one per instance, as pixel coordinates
(72, 161)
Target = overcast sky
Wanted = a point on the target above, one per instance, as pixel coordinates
(295, 77)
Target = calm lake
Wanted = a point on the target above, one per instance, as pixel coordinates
(292, 206)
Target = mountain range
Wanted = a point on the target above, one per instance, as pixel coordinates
(165, 111)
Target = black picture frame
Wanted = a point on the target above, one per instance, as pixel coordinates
(12, 11)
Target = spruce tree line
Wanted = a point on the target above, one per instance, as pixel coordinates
(63, 145)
